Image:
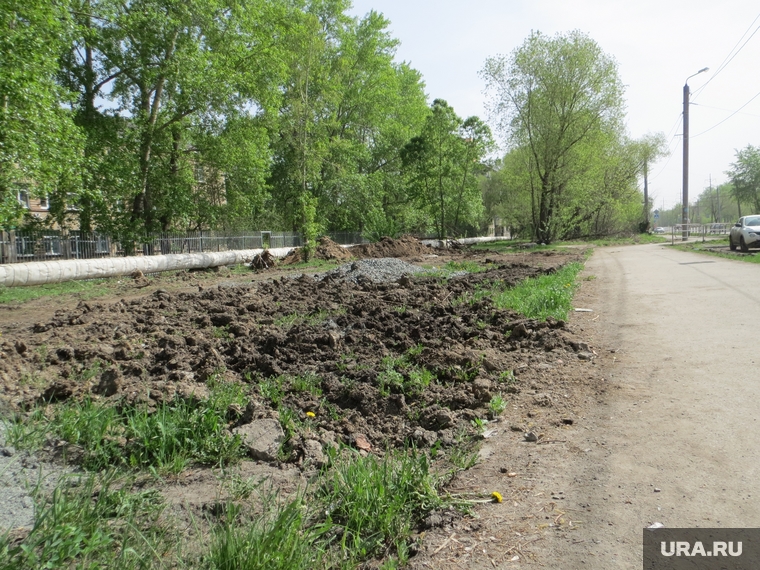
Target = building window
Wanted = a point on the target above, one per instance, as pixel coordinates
(23, 198)
(44, 203)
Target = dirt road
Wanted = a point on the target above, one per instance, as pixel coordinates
(674, 438)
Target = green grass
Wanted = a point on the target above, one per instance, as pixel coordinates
(165, 440)
(95, 522)
(377, 502)
(519, 245)
(536, 298)
(706, 248)
(277, 540)
(83, 289)
(401, 375)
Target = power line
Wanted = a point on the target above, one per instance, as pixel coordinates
(730, 57)
(722, 109)
(674, 129)
(727, 118)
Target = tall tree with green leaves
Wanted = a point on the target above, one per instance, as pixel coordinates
(39, 142)
(745, 177)
(442, 163)
(560, 98)
(174, 73)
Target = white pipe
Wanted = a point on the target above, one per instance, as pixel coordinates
(40, 272)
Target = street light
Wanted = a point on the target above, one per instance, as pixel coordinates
(685, 205)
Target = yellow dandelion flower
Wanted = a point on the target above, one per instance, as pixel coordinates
(311, 415)
(496, 496)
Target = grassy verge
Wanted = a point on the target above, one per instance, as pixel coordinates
(537, 298)
(164, 440)
(84, 289)
(516, 246)
(709, 248)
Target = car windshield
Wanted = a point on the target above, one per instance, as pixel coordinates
(752, 221)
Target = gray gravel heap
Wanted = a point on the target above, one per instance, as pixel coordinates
(382, 270)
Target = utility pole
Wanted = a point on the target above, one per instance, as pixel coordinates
(685, 199)
(685, 204)
(646, 199)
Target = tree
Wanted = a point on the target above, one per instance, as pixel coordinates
(561, 99)
(176, 73)
(441, 165)
(745, 176)
(39, 142)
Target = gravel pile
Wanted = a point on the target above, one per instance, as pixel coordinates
(382, 270)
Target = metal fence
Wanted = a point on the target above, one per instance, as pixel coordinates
(19, 246)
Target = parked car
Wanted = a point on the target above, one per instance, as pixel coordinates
(745, 233)
(659, 230)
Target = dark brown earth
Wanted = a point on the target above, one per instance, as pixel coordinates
(169, 341)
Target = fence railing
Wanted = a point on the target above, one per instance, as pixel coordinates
(19, 246)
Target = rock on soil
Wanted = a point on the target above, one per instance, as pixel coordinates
(262, 438)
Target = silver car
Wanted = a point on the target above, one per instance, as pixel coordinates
(745, 233)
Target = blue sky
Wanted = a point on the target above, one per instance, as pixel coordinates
(657, 44)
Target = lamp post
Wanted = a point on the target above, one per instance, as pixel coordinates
(685, 204)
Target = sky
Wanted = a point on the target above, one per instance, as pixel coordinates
(657, 45)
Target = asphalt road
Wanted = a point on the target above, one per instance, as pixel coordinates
(674, 439)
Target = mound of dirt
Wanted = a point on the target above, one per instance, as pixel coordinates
(405, 246)
(396, 363)
(326, 249)
(263, 260)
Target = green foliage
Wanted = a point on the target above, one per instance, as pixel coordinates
(165, 440)
(376, 502)
(400, 375)
(280, 539)
(441, 165)
(94, 522)
(497, 405)
(39, 143)
(745, 176)
(570, 171)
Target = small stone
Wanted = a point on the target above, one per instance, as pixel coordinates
(262, 438)
(530, 436)
(313, 452)
(585, 356)
(657, 489)
(362, 443)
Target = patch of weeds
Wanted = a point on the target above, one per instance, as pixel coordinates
(32, 379)
(401, 310)
(279, 539)
(310, 383)
(468, 266)
(84, 289)
(463, 457)
(222, 333)
(376, 502)
(399, 375)
(165, 440)
(497, 405)
(29, 433)
(479, 424)
(464, 453)
(415, 350)
(273, 389)
(542, 297)
(98, 523)
(507, 377)
(240, 489)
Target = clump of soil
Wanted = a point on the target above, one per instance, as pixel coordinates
(263, 260)
(381, 364)
(326, 250)
(405, 246)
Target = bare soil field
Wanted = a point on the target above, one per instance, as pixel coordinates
(336, 360)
